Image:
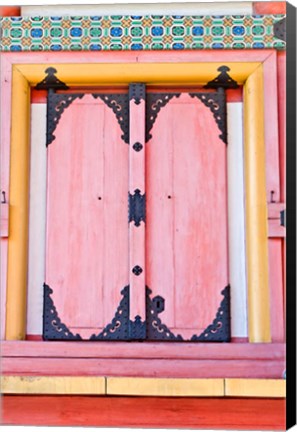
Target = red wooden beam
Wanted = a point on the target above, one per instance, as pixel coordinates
(262, 8)
(6, 11)
(214, 413)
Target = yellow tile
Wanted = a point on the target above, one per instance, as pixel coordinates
(52, 385)
(255, 387)
(165, 387)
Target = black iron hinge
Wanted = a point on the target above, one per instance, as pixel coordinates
(136, 207)
(283, 218)
(279, 29)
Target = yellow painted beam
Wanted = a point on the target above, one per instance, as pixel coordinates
(165, 387)
(52, 385)
(18, 209)
(256, 210)
(157, 73)
(150, 73)
(255, 387)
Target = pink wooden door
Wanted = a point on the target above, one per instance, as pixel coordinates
(186, 223)
(87, 236)
(161, 272)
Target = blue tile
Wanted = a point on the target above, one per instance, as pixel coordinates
(76, 32)
(15, 48)
(116, 31)
(157, 31)
(136, 46)
(178, 46)
(95, 47)
(238, 30)
(36, 33)
(198, 31)
(56, 47)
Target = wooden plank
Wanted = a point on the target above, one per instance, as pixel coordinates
(5, 130)
(164, 387)
(281, 97)
(236, 220)
(269, 7)
(256, 210)
(10, 11)
(52, 385)
(277, 305)
(136, 188)
(18, 217)
(197, 413)
(151, 73)
(171, 56)
(144, 367)
(255, 388)
(274, 210)
(37, 219)
(4, 210)
(271, 131)
(275, 230)
(85, 204)
(149, 350)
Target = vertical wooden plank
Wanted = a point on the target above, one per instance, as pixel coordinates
(236, 220)
(281, 97)
(136, 189)
(37, 219)
(18, 201)
(276, 289)
(256, 210)
(271, 129)
(5, 104)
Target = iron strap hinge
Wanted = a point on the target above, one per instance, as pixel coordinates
(136, 207)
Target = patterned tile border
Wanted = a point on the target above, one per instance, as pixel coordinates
(154, 32)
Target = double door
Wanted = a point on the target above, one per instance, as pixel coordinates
(136, 243)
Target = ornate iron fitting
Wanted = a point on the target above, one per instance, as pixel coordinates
(137, 146)
(216, 102)
(56, 105)
(119, 327)
(220, 329)
(137, 270)
(154, 103)
(223, 80)
(136, 207)
(51, 81)
(137, 329)
(137, 92)
(53, 328)
(155, 329)
(279, 29)
(119, 103)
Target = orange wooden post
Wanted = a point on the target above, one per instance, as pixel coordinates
(137, 209)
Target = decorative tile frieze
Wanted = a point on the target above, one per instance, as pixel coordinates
(156, 32)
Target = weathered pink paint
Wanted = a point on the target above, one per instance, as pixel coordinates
(137, 233)
(87, 236)
(162, 368)
(145, 56)
(271, 129)
(5, 107)
(281, 96)
(276, 289)
(186, 238)
(145, 350)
